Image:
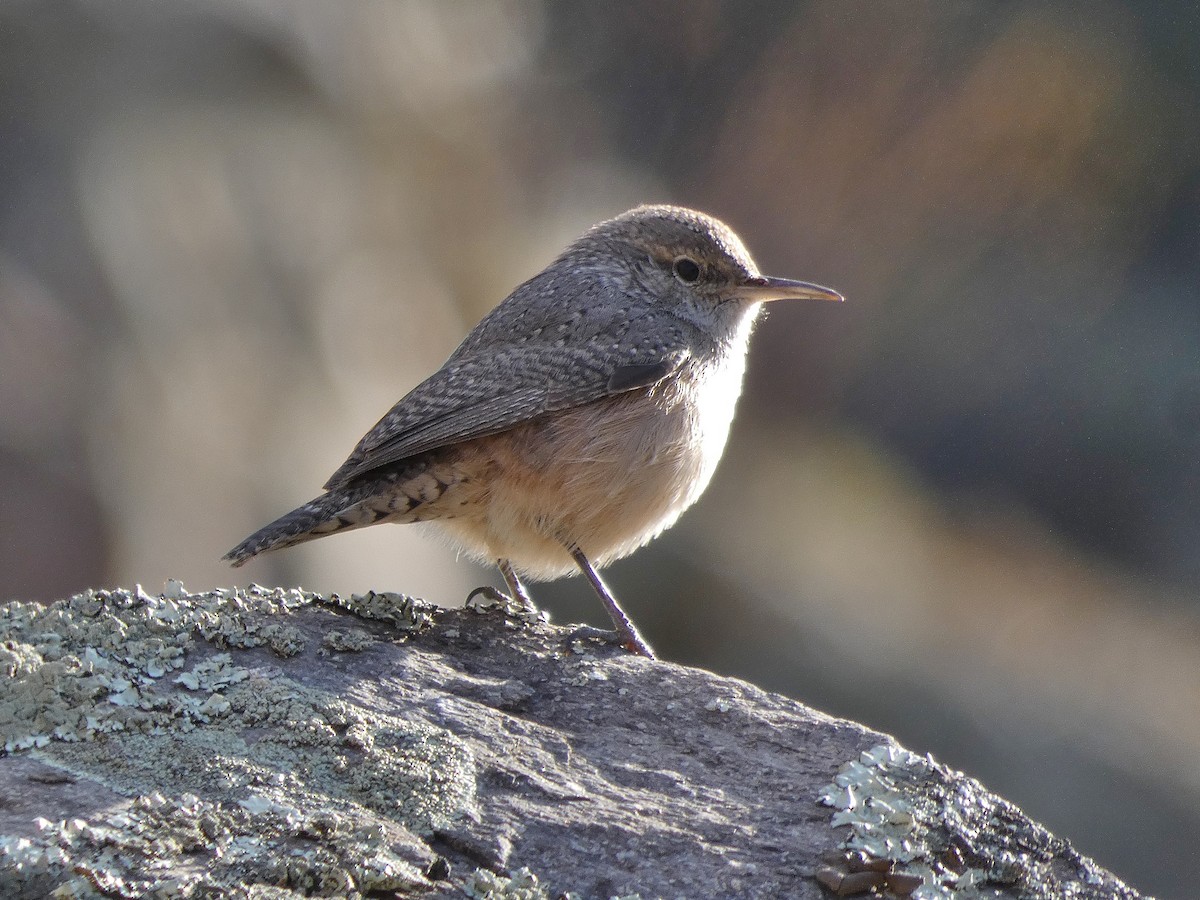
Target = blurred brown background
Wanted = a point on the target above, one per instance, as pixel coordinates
(962, 507)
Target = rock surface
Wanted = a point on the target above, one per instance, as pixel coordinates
(274, 743)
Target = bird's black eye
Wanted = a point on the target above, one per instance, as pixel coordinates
(687, 270)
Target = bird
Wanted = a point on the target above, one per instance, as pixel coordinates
(578, 420)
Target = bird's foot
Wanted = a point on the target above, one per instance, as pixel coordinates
(591, 633)
(634, 642)
(487, 597)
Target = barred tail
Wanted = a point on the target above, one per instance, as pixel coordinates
(334, 511)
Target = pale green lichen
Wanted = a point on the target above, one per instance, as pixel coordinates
(406, 613)
(521, 885)
(18, 659)
(297, 788)
(91, 664)
(348, 640)
(213, 674)
(184, 846)
(913, 820)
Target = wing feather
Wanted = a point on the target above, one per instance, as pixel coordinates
(479, 394)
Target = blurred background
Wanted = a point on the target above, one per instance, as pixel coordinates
(963, 507)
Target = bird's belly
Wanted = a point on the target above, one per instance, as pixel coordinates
(606, 478)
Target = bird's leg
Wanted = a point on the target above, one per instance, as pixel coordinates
(516, 589)
(628, 634)
(517, 599)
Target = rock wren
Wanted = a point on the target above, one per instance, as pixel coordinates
(578, 419)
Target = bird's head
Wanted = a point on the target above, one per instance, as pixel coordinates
(691, 263)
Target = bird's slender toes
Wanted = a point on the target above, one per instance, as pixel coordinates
(487, 597)
(632, 643)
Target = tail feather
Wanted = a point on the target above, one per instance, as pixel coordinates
(334, 511)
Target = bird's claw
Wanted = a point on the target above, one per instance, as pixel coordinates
(486, 598)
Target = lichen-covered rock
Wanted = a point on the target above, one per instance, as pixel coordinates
(276, 743)
(240, 776)
(925, 831)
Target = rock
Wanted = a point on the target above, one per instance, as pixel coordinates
(277, 743)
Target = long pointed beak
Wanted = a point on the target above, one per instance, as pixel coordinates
(762, 288)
